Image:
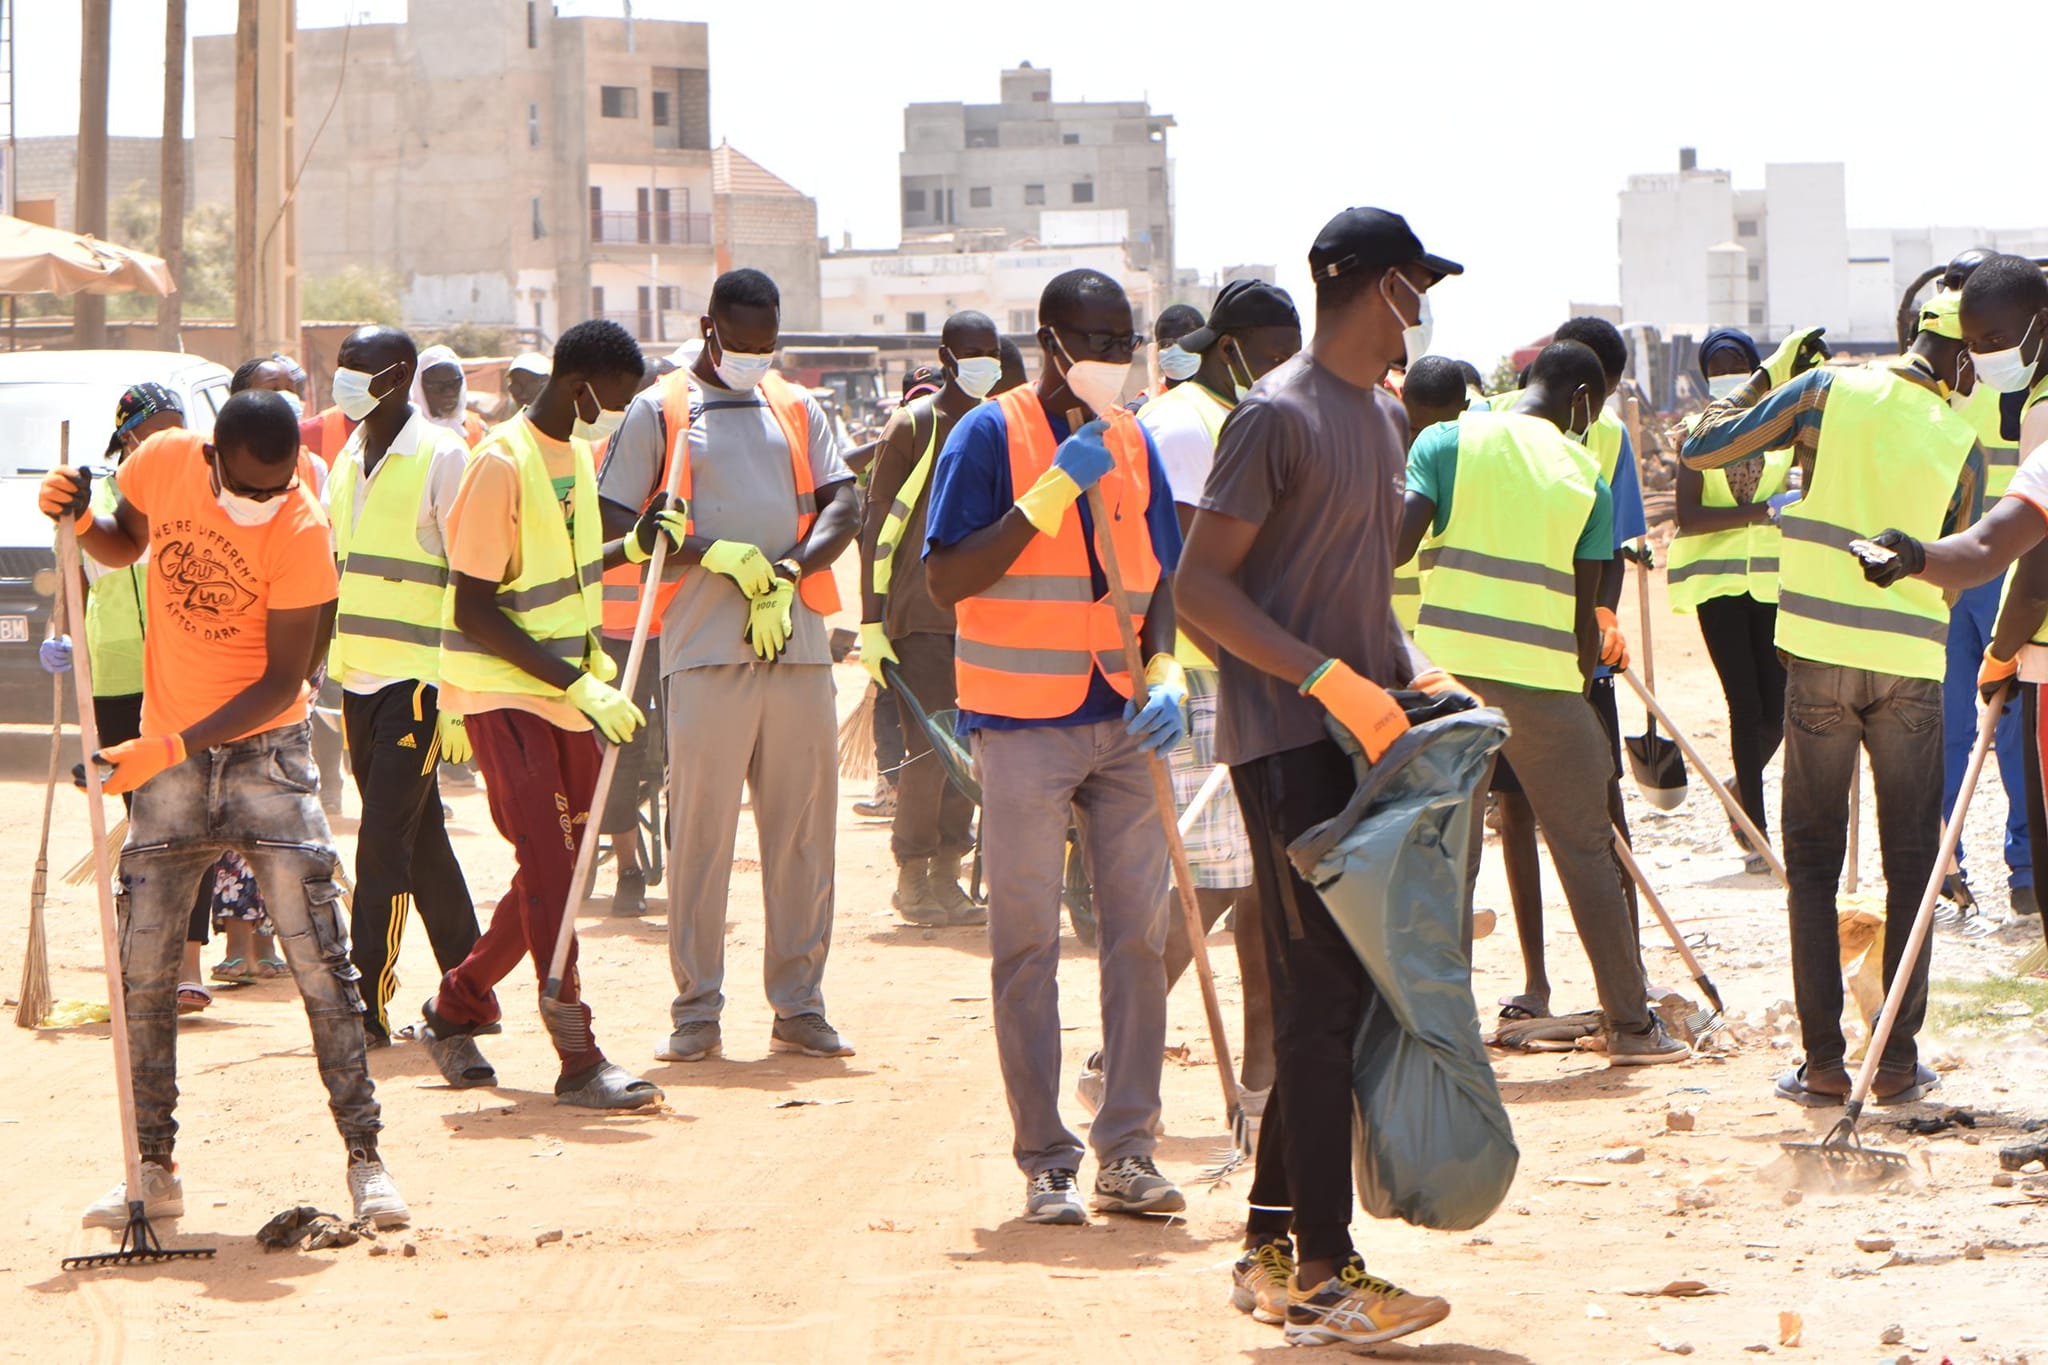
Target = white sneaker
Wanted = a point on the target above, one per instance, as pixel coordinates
(376, 1194)
(163, 1196)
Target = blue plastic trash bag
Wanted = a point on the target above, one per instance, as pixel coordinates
(1432, 1144)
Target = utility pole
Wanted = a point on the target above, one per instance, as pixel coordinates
(266, 148)
(89, 199)
(170, 230)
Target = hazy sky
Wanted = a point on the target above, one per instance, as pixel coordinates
(1503, 131)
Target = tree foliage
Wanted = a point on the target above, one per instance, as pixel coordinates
(357, 294)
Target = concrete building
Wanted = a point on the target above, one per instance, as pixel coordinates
(915, 289)
(508, 165)
(991, 174)
(759, 219)
(46, 173)
(1698, 253)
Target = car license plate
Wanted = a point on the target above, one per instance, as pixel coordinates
(13, 630)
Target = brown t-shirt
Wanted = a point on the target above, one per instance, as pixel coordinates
(909, 609)
(1317, 465)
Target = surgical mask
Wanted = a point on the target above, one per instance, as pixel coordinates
(741, 371)
(606, 422)
(2007, 371)
(977, 375)
(294, 402)
(1177, 364)
(352, 392)
(1415, 336)
(1582, 432)
(244, 511)
(1099, 384)
(1722, 385)
(1242, 386)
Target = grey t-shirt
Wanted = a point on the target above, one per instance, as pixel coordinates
(1317, 465)
(741, 488)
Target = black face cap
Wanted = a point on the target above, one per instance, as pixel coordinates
(140, 403)
(1371, 239)
(1242, 305)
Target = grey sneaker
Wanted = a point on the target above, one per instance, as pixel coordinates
(1648, 1048)
(810, 1035)
(1132, 1184)
(163, 1196)
(1088, 1086)
(376, 1194)
(1054, 1197)
(693, 1042)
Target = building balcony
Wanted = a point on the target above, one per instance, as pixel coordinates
(630, 227)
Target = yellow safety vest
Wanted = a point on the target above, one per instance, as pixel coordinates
(1408, 593)
(1603, 438)
(558, 596)
(1500, 599)
(388, 619)
(2001, 457)
(1709, 564)
(2038, 395)
(890, 538)
(116, 611)
(1890, 450)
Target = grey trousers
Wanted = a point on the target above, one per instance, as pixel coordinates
(1564, 761)
(1029, 781)
(770, 728)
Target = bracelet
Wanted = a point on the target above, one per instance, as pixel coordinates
(1308, 684)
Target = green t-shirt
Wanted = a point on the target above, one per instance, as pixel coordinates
(1433, 474)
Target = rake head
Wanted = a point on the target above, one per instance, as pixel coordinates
(1842, 1156)
(1236, 1156)
(139, 1246)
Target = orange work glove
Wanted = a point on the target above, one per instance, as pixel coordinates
(67, 492)
(1613, 644)
(1995, 677)
(1364, 708)
(1437, 683)
(138, 760)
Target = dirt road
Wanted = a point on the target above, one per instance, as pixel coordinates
(780, 1209)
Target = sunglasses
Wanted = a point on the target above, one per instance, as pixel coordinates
(252, 494)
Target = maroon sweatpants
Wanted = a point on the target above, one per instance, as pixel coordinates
(539, 780)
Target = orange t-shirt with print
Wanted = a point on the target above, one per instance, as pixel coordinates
(212, 584)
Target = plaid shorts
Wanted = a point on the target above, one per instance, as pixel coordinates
(1219, 853)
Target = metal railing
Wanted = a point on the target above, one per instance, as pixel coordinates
(630, 227)
(671, 325)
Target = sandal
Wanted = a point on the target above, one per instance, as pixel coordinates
(193, 997)
(1514, 1008)
(235, 971)
(455, 1053)
(273, 966)
(1793, 1086)
(607, 1086)
(1904, 1089)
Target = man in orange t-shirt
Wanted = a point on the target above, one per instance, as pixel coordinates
(241, 587)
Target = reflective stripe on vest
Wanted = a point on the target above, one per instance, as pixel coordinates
(1030, 643)
(1407, 594)
(1500, 600)
(556, 599)
(622, 583)
(1889, 454)
(886, 540)
(1743, 559)
(116, 611)
(391, 589)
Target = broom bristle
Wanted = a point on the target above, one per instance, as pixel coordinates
(35, 959)
(81, 872)
(2033, 961)
(857, 741)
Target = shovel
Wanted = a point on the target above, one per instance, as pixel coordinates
(1655, 761)
(1728, 801)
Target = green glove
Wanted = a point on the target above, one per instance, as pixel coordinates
(875, 649)
(744, 564)
(1795, 355)
(454, 738)
(611, 710)
(768, 620)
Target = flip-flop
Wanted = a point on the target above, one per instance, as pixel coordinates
(1923, 1080)
(607, 1086)
(193, 997)
(235, 971)
(1792, 1086)
(273, 967)
(1514, 1008)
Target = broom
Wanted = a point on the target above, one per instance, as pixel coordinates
(35, 959)
(81, 872)
(857, 739)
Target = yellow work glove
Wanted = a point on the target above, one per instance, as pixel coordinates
(1361, 706)
(769, 620)
(1079, 464)
(875, 650)
(454, 738)
(1995, 677)
(744, 564)
(1437, 683)
(1613, 644)
(138, 760)
(659, 519)
(67, 492)
(610, 710)
(1795, 355)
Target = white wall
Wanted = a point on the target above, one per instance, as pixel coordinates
(1668, 222)
(1806, 234)
(859, 288)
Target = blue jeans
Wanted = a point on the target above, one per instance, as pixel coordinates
(1969, 630)
(259, 796)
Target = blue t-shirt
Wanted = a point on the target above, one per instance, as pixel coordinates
(971, 490)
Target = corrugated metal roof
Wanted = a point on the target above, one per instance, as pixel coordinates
(734, 172)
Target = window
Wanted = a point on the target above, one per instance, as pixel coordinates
(1034, 194)
(658, 110)
(913, 201)
(1746, 228)
(597, 300)
(981, 197)
(533, 125)
(1756, 272)
(1084, 191)
(532, 23)
(1756, 315)
(1070, 139)
(913, 322)
(618, 101)
(671, 298)
(539, 230)
(1023, 320)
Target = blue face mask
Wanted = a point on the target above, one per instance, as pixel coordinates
(1177, 364)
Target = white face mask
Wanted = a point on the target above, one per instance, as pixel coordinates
(601, 428)
(2007, 371)
(1415, 336)
(977, 375)
(739, 370)
(1177, 364)
(1721, 385)
(352, 392)
(1242, 386)
(1580, 433)
(1099, 384)
(245, 511)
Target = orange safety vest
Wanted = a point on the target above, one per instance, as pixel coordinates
(335, 429)
(622, 585)
(1029, 644)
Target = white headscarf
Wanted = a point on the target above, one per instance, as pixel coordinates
(431, 358)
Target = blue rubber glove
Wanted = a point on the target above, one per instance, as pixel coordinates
(1778, 502)
(1084, 457)
(55, 654)
(1162, 722)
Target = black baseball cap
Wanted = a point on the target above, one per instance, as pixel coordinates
(1371, 239)
(140, 403)
(921, 380)
(1243, 304)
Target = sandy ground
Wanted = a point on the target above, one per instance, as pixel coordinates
(788, 1209)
